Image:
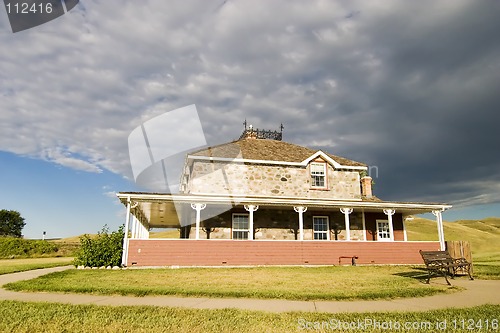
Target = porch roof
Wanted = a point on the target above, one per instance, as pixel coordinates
(161, 210)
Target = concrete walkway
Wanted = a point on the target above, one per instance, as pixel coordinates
(478, 292)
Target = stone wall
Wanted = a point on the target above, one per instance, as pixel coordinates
(282, 224)
(270, 180)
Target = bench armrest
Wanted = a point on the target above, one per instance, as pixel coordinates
(461, 261)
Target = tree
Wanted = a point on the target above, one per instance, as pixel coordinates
(11, 223)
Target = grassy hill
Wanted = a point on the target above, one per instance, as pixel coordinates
(483, 235)
(174, 233)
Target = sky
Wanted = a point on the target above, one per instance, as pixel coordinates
(409, 87)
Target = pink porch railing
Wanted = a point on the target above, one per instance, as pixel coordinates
(186, 252)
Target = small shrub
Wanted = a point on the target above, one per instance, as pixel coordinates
(103, 250)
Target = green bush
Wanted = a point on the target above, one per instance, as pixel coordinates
(19, 247)
(105, 249)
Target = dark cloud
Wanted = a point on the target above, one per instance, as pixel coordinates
(408, 87)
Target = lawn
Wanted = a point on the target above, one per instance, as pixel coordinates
(295, 283)
(52, 317)
(19, 265)
(487, 271)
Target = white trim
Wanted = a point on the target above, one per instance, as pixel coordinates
(267, 240)
(324, 156)
(439, 220)
(327, 227)
(325, 177)
(364, 224)
(250, 209)
(405, 235)
(238, 197)
(301, 210)
(242, 160)
(134, 228)
(378, 234)
(198, 207)
(232, 225)
(347, 212)
(280, 201)
(303, 163)
(211, 198)
(125, 236)
(390, 213)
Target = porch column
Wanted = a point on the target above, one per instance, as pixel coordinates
(138, 229)
(346, 212)
(405, 234)
(198, 207)
(133, 234)
(130, 206)
(125, 236)
(389, 213)
(301, 210)
(364, 225)
(439, 220)
(143, 231)
(250, 209)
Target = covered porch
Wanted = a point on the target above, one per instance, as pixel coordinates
(218, 230)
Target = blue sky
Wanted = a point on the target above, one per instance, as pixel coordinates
(60, 200)
(408, 87)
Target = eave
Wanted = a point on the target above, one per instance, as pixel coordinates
(269, 162)
(162, 210)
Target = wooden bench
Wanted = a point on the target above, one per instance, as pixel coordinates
(442, 263)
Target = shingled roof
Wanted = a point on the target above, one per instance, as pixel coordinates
(267, 150)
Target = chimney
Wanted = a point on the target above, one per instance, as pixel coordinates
(366, 186)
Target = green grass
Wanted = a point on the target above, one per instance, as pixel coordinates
(295, 283)
(483, 235)
(19, 265)
(51, 317)
(487, 271)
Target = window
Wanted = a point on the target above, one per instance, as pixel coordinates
(318, 173)
(320, 228)
(383, 231)
(240, 226)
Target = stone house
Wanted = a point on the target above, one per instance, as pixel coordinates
(262, 201)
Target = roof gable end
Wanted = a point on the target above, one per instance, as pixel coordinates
(324, 156)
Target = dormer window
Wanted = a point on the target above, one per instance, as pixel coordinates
(318, 175)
